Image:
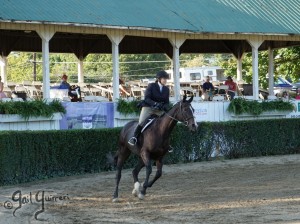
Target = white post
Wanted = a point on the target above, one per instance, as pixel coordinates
(80, 70)
(46, 37)
(239, 68)
(176, 43)
(3, 63)
(271, 71)
(115, 40)
(255, 45)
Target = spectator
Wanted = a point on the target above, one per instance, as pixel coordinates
(285, 96)
(64, 83)
(2, 94)
(298, 95)
(74, 91)
(123, 90)
(208, 89)
(231, 87)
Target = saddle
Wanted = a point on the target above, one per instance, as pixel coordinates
(149, 120)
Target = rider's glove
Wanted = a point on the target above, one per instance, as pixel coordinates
(158, 106)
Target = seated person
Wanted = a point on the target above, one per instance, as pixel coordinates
(123, 90)
(2, 94)
(208, 89)
(298, 95)
(285, 96)
(64, 83)
(74, 91)
(231, 87)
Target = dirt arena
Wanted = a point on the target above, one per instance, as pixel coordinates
(255, 190)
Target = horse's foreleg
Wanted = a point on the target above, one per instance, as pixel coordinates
(146, 159)
(135, 174)
(159, 166)
(122, 156)
(137, 169)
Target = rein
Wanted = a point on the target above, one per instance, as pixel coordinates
(185, 121)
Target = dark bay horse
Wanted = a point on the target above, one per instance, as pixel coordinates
(152, 144)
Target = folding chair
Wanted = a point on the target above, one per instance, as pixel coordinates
(224, 89)
(136, 92)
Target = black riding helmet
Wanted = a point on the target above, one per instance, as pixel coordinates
(162, 74)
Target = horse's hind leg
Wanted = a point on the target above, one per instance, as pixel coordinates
(159, 166)
(122, 156)
(135, 174)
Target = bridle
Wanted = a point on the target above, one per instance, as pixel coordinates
(185, 120)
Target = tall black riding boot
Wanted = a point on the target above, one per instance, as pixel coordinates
(137, 131)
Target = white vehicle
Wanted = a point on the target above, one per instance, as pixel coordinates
(198, 74)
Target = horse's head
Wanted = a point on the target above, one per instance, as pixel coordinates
(185, 113)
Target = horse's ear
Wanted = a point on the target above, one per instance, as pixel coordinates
(191, 99)
(184, 98)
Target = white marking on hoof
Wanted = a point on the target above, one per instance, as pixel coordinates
(137, 186)
(134, 193)
(141, 196)
(115, 200)
(136, 189)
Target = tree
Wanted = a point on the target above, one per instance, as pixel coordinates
(196, 60)
(98, 67)
(286, 64)
(20, 67)
(137, 66)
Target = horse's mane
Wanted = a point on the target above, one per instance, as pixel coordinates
(168, 113)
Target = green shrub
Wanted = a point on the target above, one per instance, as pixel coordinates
(31, 155)
(128, 107)
(240, 106)
(34, 108)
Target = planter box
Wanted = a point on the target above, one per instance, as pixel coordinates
(264, 115)
(17, 123)
(121, 119)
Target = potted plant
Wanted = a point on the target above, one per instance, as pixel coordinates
(30, 115)
(127, 107)
(242, 107)
(126, 110)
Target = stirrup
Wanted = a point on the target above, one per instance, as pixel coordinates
(132, 141)
(171, 149)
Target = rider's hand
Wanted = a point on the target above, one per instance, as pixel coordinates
(158, 106)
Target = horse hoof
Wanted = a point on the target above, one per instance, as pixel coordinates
(115, 200)
(134, 193)
(141, 196)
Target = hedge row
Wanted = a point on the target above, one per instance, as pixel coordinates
(31, 155)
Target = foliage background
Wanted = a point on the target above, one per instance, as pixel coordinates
(98, 67)
(286, 65)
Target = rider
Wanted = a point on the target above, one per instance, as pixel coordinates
(156, 102)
